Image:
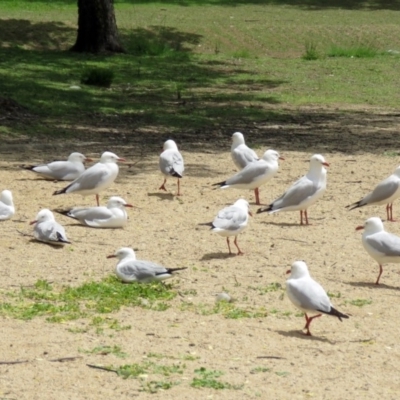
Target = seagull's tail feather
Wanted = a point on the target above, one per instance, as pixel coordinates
(61, 239)
(206, 224)
(172, 270)
(336, 313)
(220, 184)
(264, 209)
(61, 191)
(175, 174)
(63, 212)
(28, 167)
(355, 205)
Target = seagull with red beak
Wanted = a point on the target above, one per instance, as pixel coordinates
(304, 192)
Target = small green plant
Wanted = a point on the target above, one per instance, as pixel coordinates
(311, 52)
(358, 51)
(359, 302)
(97, 76)
(332, 295)
(259, 369)
(155, 386)
(106, 350)
(244, 53)
(208, 379)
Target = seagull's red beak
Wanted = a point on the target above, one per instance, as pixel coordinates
(121, 159)
(250, 213)
(359, 228)
(128, 205)
(281, 158)
(326, 164)
(88, 159)
(112, 256)
(288, 271)
(32, 222)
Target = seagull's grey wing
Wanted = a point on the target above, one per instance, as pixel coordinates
(5, 211)
(309, 295)
(64, 170)
(91, 213)
(243, 155)
(296, 194)
(171, 163)
(230, 218)
(148, 269)
(384, 190)
(178, 164)
(386, 243)
(90, 179)
(249, 174)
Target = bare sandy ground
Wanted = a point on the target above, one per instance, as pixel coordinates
(268, 357)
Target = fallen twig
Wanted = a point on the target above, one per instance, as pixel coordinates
(63, 359)
(13, 362)
(102, 368)
(272, 357)
(24, 234)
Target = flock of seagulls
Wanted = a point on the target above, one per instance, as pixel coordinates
(304, 292)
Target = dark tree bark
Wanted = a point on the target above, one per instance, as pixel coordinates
(97, 28)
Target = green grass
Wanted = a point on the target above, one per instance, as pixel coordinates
(209, 379)
(360, 302)
(90, 300)
(106, 350)
(239, 64)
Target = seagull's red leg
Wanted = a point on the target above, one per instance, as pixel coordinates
(308, 323)
(257, 194)
(229, 245)
(390, 216)
(179, 187)
(301, 217)
(387, 212)
(306, 215)
(162, 187)
(240, 252)
(380, 273)
(97, 199)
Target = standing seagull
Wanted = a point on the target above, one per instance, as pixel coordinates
(61, 170)
(129, 269)
(304, 192)
(254, 174)
(230, 221)
(96, 178)
(7, 209)
(386, 192)
(382, 246)
(308, 295)
(47, 230)
(112, 216)
(171, 164)
(243, 155)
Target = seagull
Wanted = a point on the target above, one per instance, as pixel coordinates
(111, 216)
(308, 295)
(230, 221)
(241, 154)
(7, 209)
(61, 170)
(47, 230)
(96, 178)
(304, 192)
(129, 269)
(386, 192)
(382, 246)
(171, 163)
(254, 174)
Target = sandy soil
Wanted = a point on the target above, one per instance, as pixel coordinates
(358, 358)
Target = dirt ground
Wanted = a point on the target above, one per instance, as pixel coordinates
(269, 356)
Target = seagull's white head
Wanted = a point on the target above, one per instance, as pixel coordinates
(42, 216)
(272, 155)
(170, 145)
(244, 205)
(6, 197)
(108, 157)
(318, 161)
(123, 252)
(78, 157)
(117, 202)
(372, 225)
(238, 138)
(299, 269)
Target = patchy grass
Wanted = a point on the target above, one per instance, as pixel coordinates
(85, 301)
(106, 350)
(360, 51)
(359, 302)
(209, 379)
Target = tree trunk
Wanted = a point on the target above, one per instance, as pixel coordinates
(97, 28)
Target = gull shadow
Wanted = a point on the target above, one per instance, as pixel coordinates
(282, 223)
(162, 196)
(372, 285)
(219, 256)
(54, 246)
(301, 335)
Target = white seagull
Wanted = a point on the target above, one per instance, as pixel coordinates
(382, 246)
(7, 209)
(308, 295)
(47, 230)
(240, 152)
(304, 192)
(386, 192)
(113, 215)
(96, 178)
(230, 221)
(129, 269)
(254, 174)
(61, 170)
(171, 164)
